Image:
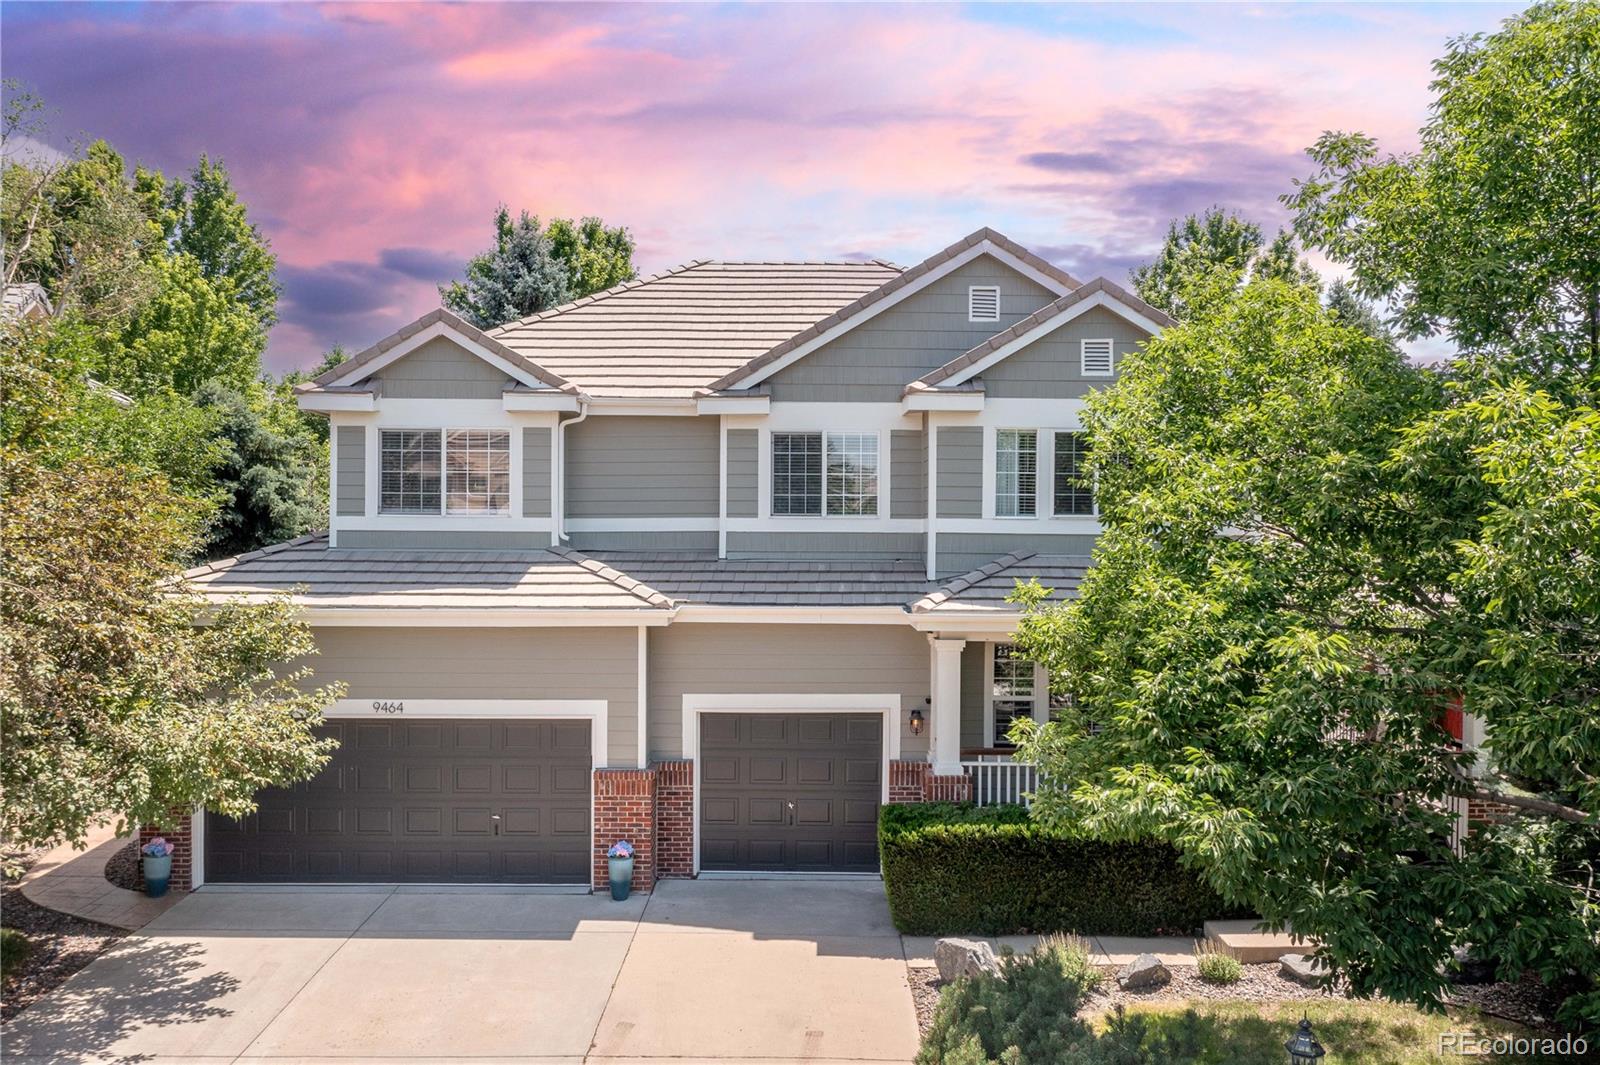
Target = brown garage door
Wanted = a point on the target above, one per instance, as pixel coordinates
(795, 792)
(422, 801)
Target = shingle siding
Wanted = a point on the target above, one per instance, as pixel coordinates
(973, 659)
(442, 369)
(908, 494)
(876, 360)
(642, 467)
(743, 473)
(960, 472)
(535, 473)
(350, 470)
(1052, 367)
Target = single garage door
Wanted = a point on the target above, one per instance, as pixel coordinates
(422, 801)
(795, 792)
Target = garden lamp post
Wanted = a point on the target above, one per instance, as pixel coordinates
(1303, 1048)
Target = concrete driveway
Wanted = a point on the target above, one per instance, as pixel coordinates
(711, 970)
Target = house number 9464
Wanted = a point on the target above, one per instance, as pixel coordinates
(380, 706)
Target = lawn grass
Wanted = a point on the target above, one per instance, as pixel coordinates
(1354, 1033)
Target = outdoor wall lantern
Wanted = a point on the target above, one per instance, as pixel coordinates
(1303, 1048)
(916, 721)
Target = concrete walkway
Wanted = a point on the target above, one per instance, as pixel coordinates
(1103, 950)
(74, 881)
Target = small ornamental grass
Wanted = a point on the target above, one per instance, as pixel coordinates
(1216, 967)
(1074, 954)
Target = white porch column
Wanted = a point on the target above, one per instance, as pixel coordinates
(946, 745)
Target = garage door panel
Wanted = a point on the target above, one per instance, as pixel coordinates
(764, 811)
(814, 771)
(863, 729)
(765, 729)
(768, 770)
(813, 811)
(417, 806)
(816, 729)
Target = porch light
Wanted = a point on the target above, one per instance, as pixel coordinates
(1303, 1048)
(916, 721)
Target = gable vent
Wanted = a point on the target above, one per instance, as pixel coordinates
(1097, 358)
(983, 303)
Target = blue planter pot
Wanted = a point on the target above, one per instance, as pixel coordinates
(157, 875)
(621, 877)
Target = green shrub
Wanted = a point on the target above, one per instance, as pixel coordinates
(1074, 954)
(14, 946)
(1026, 1014)
(955, 868)
(1216, 967)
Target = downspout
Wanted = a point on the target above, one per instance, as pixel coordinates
(561, 468)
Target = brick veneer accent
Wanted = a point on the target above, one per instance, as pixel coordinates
(1487, 810)
(625, 808)
(182, 851)
(674, 843)
(917, 782)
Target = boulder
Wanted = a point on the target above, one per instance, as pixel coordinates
(964, 957)
(1143, 972)
(1301, 969)
(1467, 968)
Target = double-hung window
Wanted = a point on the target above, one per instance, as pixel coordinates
(1016, 473)
(454, 471)
(1013, 691)
(833, 474)
(1073, 492)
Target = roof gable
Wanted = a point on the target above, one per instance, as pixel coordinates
(982, 242)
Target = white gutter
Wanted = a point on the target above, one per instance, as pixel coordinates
(558, 527)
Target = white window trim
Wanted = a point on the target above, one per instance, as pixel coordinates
(888, 705)
(992, 473)
(1050, 494)
(972, 295)
(513, 506)
(1111, 357)
(766, 480)
(1041, 693)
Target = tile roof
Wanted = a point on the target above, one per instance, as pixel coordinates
(663, 337)
(346, 371)
(705, 580)
(362, 579)
(889, 288)
(1044, 314)
(985, 589)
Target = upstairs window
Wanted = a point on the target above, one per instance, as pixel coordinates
(825, 473)
(1013, 691)
(1016, 473)
(983, 303)
(1073, 493)
(1096, 356)
(456, 471)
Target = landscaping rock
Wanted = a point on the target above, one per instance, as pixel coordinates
(1144, 971)
(964, 957)
(1469, 969)
(1301, 969)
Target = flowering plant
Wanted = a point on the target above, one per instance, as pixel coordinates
(620, 849)
(157, 848)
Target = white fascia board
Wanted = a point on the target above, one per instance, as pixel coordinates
(443, 329)
(358, 402)
(506, 618)
(934, 400)
(733, 404)
(866, 314)
(987, 623)
(1043, 329)
(711, 614)
(646, 407)
(548, 400)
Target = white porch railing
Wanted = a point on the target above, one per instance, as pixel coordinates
(997, 779)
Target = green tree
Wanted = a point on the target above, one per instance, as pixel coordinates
(532, 268)
(111, 698)
(188, 332)
(1212, 244)
(267, 469)
(1487, 233)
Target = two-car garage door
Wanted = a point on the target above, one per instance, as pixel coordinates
(423, 801)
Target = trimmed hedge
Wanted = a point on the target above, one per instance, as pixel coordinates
(959, 869)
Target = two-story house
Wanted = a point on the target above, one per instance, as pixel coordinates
(715, 561)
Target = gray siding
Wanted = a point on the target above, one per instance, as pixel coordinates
(876, 360)
(643, 541)
(442, 369)
(743, 475)
(1052, 367)
(908, 494)
(823, 545)
(960, 472)
(961, 552)
(642, 467)
(535, 473)
(782, 659)
(350, 449)
(544, 663)
(972, 685)
(443, 540)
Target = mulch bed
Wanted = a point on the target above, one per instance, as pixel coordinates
(61, 945)
(1527, 1002)
(123, 868)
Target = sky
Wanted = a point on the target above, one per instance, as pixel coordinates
(372, 142)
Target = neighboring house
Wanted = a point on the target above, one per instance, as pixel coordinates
(27, 301)
(715, 561)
